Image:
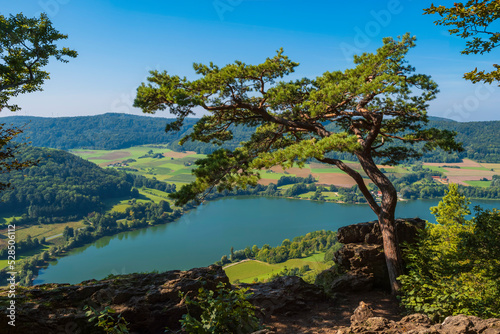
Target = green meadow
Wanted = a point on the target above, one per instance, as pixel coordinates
(252, 270)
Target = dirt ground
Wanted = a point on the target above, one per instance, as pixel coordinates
(327, 316)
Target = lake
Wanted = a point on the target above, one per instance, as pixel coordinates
(201, 236)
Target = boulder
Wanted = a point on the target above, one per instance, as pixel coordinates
(363, 321)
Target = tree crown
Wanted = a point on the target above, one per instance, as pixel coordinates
(26, 44)
(365, 111)
(471, 20)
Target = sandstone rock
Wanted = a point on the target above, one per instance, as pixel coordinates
(363, 321)
(362, 257)
(285, 295)
(361, 314)
(369, 233)
(149, 302)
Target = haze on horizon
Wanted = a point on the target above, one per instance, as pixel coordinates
(120, 41)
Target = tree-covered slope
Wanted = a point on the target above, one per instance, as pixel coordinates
(62, 185)
(108, 131)
(116, 131)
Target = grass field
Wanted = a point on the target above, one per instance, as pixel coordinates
(483, 184)
(248, 271)
(38, 231)
(4, 262)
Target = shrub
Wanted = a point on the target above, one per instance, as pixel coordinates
(221, 311)
(453, 266)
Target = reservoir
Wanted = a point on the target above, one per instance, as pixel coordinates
(201, 236)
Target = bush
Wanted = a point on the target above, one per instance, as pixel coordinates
(221, 311)
(453, 266)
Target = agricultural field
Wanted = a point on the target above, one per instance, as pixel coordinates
(251, 270)
(175, 167)
(468, 172)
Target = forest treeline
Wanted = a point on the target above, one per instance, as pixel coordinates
(299, 247)
(64, 186)
(118, 131)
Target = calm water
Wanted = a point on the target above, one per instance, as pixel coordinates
(202, 236)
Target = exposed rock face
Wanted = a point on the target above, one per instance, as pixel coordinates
(285, 295)
(363, 322)
(369, 233)
(362, 256)
(149, 302)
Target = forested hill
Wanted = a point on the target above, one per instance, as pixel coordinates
(108, 131)
(116, 131)
(61, 186)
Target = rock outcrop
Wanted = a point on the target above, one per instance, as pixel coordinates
(285, 295)
(362, 256)
(363, 321)
(149, 302)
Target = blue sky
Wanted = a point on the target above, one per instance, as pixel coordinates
(119, 41)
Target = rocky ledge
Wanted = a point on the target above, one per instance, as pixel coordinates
(361, 261)
(149, 302)
(363, 321)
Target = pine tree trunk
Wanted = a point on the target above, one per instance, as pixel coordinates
(392, 251)
(386, 220)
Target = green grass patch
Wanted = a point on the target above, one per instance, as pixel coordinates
(182, 178)
(325, 170)
(151, 197)
(40, 231)
(24, 255)
(247, 271)
(476, 168)
(330, 195)
(483, 184)
(307, 195)
(436, 168)
(271, 175)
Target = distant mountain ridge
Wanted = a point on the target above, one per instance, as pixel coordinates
(118, 131)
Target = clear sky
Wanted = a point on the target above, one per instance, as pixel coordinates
(119, 41)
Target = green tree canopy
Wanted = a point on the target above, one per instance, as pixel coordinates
(26, 44)
(471, 20)
(375, 105)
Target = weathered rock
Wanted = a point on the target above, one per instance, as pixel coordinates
(361, 314)
(362, 257)
(149, 302)
(361, 322)
(285, 295)
(369, 233)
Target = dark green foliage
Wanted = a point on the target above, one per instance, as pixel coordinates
(26, 45)
(107, 320)
(224, 310)
(62, 185)
(454, 266)
(111, 132)
(284, 180)
(303, 246)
